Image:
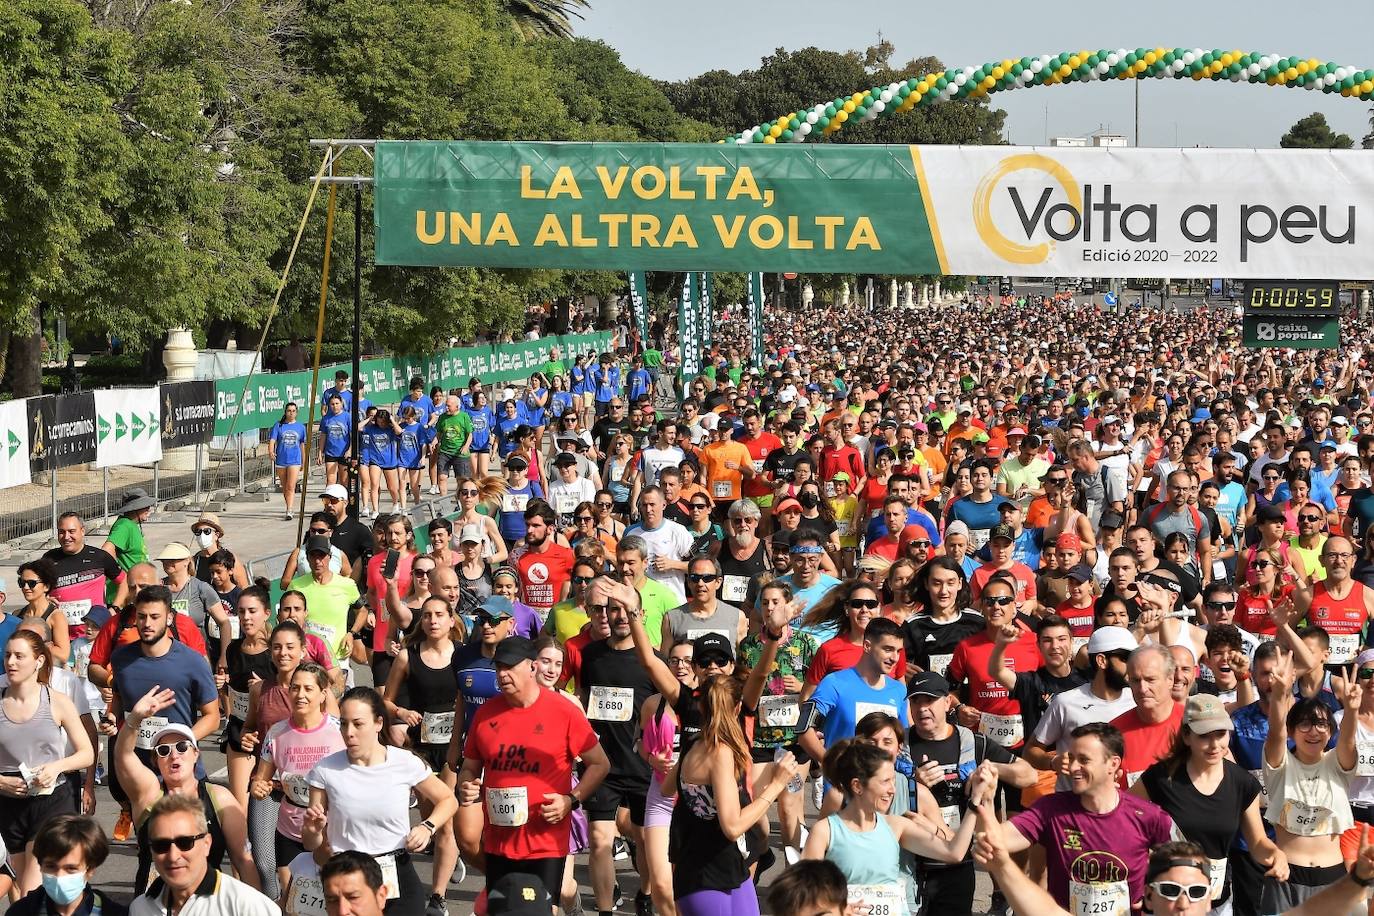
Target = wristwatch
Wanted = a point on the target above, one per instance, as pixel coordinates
(576, 804)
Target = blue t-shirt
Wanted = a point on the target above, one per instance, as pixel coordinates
(505, 432)
(337, 433)
(639, 383)
(483, 419)
(408, 447)
(511, 521)
(8, 624)
(560, 404)
(346, 396)
(843, 698)
(877, 526)
(290, 439)
(182, 670)
(808, 598)
(1324, 486)
(978, 516)
(379, 446)
(476, 681)
(533, 411)
(423, 407)
(607, 382)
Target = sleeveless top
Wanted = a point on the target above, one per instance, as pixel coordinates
(870, 857)
(242, 666)
(33, 743)
(432, 690)
(274, 705)
(218, 844)
(703, 859)
(472, 593)
(737, 573)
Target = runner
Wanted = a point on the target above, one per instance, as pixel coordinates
(83, 572)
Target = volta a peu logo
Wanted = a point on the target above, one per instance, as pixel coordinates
(1007, 249)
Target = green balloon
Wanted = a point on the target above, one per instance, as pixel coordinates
(941, 83)
(787, 134)
(823, 122)
(830, 110)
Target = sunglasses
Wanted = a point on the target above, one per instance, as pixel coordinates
(1271, 477)
(165, 750)
(324, 531)
(468, 491)
(1056, 481)
(598, 609)
(701, 577)
(1262, 564)
(1221, 605)
(999, 600)
(870, 604)
(1365, 674)
(29, 583)
(422, 572)
(200, 531)
(701, 505)
(161, 846)
(1172, 890)
(582, 580)
(1310, 518)
(489, 620)
(923, 545)
(585, 518)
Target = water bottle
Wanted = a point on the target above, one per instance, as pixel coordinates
(796, 784)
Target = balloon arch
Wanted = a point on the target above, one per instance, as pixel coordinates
(827, 118)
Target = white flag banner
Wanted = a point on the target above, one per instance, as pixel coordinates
(14, 444)
(127, 427)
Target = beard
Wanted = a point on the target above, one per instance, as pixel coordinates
(1115, 679)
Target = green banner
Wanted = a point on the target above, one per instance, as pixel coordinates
(756, 320)
(706, 287)
(652, 206)
(689, 328)
(385, 380)
(1322, 333)
(639, 304)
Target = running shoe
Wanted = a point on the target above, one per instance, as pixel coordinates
(436, 906)
(644, 904)
(124, 826)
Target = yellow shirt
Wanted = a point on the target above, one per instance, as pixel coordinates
(845, 510)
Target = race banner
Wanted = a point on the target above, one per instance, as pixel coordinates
(706, 314)
(840, 208)
(14, 444)
(188, 413)
(127, 427)
(689, 328)
(385, 380)
(756, 320)
(61, 430)
(639, 304)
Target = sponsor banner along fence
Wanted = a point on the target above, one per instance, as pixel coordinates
(14, 445)
(188, 413)
(127, 427)
(983, 210)
(385, 380)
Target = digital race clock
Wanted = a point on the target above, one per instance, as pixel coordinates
(1291, 297)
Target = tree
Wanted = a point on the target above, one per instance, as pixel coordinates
(1312, 132)
(545, 18)
(1368, 142)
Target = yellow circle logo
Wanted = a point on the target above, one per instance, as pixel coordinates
(1005, 248)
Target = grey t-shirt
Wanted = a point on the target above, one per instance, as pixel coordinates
(686, 625)
(194, 600)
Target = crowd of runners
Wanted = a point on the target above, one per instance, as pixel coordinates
(1079, 598)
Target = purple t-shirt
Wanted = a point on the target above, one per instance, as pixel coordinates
(1094, 848)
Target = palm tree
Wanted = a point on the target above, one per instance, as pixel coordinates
(545, 18)
(1368, 142)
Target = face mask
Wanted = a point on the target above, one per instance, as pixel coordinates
(809, 500)
(64, 889)
(206, 540)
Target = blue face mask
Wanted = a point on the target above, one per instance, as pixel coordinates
(64, 889)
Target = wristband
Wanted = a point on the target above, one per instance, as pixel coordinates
(1362, 882)
(429, 825)
(1242, 678)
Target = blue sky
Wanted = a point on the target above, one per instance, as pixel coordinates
(677, 40)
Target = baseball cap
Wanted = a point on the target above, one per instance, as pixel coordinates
(175, 551)
(1001, 531)
(1269, 514)
(711, 645)
(518, 894)
(335, 491)
(318, 543)
(513, 650)
(497, 607)
(1015, 431)
(786, 505)
(471, 534)
(565, 459)
(1068, 541)
(1339, 421)
(1111, 639)
(177, 729)
(1081, 572)
(516, 463)
(841, 475)
(96, 617)
(928, 684)
(1206, 713)
(1111, 520)
(1110, 418)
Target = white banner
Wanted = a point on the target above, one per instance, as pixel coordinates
(127, 427)
(1175, 213)
(14, 444)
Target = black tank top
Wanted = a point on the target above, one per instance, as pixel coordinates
(242, 666)
(703, 858)
(430, 689)
(218, 845)
(749, 567)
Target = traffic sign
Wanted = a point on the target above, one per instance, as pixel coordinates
(1110, 298)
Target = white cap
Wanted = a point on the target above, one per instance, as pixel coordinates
(1111, 639)
(471, 534)
(335, 491)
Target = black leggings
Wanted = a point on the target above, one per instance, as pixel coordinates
(414, 895)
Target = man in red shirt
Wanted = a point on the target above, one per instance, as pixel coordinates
(119, 630)
(988, 707)
(759, 444)
(1149, 729)
(1002, 550)
(837, 456)
(522, 746)
(887, 546)
(546, 567)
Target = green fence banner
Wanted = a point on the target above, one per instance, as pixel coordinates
(756, 319)
(1300, 333)
(639, 304)
(689, 328)
(706, 286)
(385, 380)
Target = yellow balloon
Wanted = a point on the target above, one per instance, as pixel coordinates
(1346, 92)
(998, 72)
(1065, 70)
(988, 82)
(1367, 86)
(1282, 78)
(849, 106)
(775, 131)
(1150, 58)
(1291, 73)
(1006, 64)
(857, 97)
(1227, 60)
(1075, 62)
(842, 116)
(1140, 66)
(769, 139)
(922, 87)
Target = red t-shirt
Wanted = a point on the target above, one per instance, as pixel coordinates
(543, 575)
(1343, 619)
(376, 592)
(759, 447)
(112, 635)
(970, 663)
(1080, 618)
(1145, 742)
(837, 654)
(529, 752)
(1025, 581)
(846, 458)
(1252, 611)
(885, 547)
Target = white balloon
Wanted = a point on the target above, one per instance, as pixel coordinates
(1112, 59)
(879, 105)
(804, 128)
(960, 79)
(1329, 79)
(811, 118)
(1103, 68)
(1036, 66)
(1188, 58)
(885, 96)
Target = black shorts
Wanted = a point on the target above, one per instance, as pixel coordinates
(548, 869)
(233, 731)
(457, 465)
(286, 848)
(763, 754)
(20, 818)
(611, 797)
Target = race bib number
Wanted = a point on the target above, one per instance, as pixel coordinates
(842, 528)
(327, 634)
(81, 659)
(938, 663)
(565, 503)
(1304, 820)
(508, 807)
(779, 712)
(720, 489)
(1344, 648)
(1364, 758)
(1113, 899)
(1264, 793)
(296, 789)
(953, 816)
(724, 634)
(734, 588)
(758, 466)
(1216, 877)
(863, 709)
(611, 704)
(306, 897)
(881, 899)
(75, 611)
(238, 705)
(830, 489)
(212, 627)
(390, 880)
(515, 502)
(147, 731)
(436, 728)
(1007, 731)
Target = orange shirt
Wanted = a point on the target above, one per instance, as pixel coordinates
(722, 482)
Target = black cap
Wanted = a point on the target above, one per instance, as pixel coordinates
(513, 650)
(1001, 531)
(1081, 572)
(708, 645)
(318, 543)
(1268, 514)
(928, 684)
(515, 462)
(565, 459)
(1111, 520)
(517, 894)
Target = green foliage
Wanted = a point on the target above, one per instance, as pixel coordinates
(1312, 132)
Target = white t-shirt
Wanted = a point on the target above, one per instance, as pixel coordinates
(566, 497)
(1073, 708)
(669, 540)
(1309, 800)
(369, 807)
(654, 460)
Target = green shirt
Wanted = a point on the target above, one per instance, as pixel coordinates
(454, 432)
(327, 609)
(657, 600)
(652, 358)
(793, 658)
(130, 550)
(552, 368)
